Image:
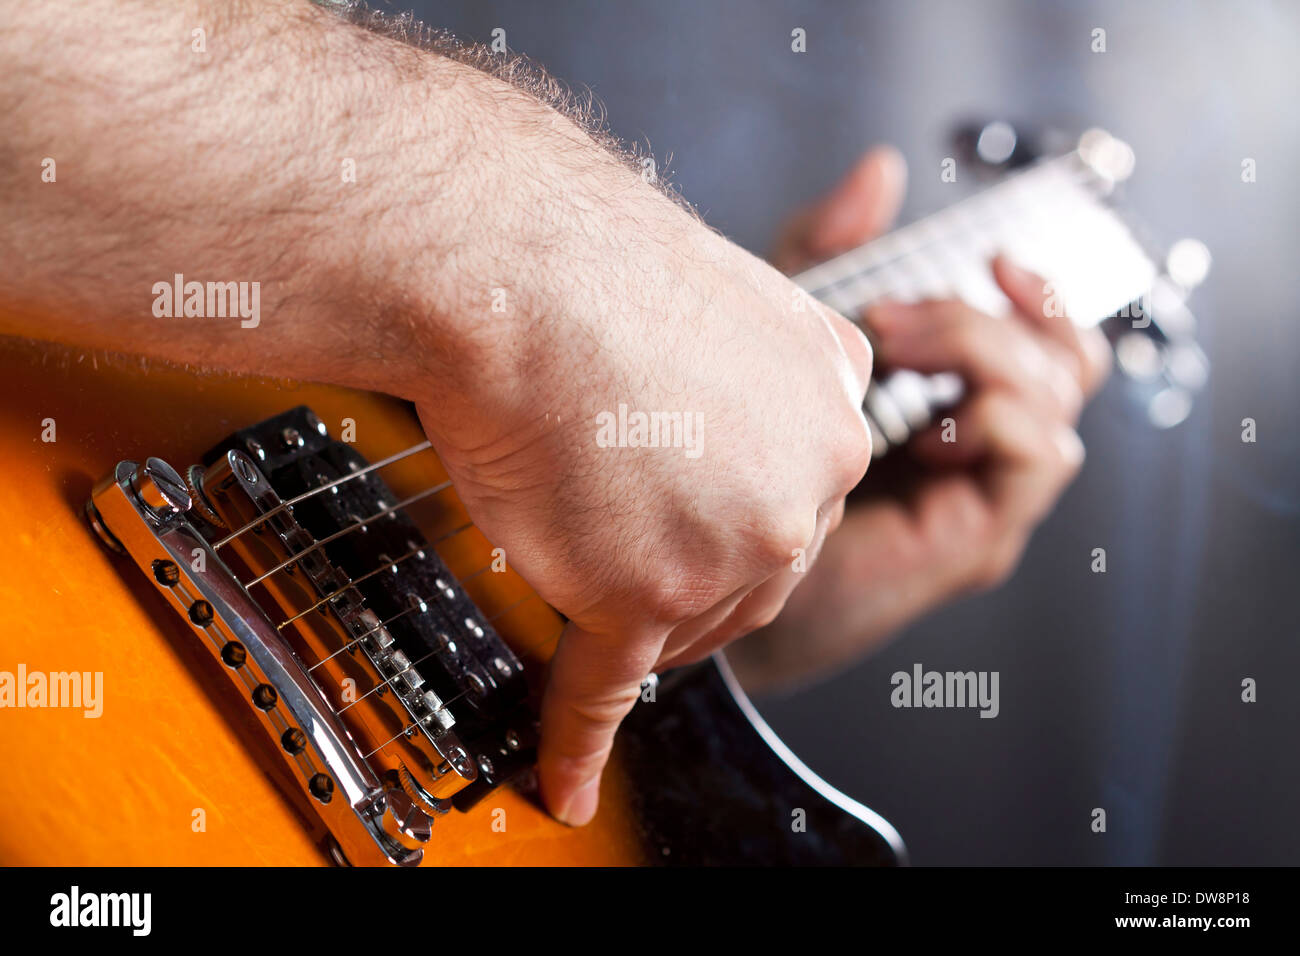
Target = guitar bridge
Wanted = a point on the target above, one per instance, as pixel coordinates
(387, 693)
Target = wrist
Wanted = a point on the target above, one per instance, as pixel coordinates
(510, 235)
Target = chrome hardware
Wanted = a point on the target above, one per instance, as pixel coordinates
(194, 484)
(348, 639)
(1110, 158)
(143, 510)
(404, 822)
(442, 763)
(161, 488)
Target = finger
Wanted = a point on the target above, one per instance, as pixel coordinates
(834, 517)
(862, 206)
(948, 335)
(593, 682)
(1028, 458)
(760, 607)
(1036, 301)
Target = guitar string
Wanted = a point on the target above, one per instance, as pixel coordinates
(370, 574)
(944, 261)
(895, 245)
(447, 703)
(360, 637)
(867, 276)
(348, 529)
(375, 466)
(387, 565)
(382, 624)
(423, 609)
(847, 263)
(412, 664)
(389, 681)
(450, 700)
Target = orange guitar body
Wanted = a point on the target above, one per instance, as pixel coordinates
(163, 775)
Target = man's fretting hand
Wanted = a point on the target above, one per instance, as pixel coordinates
(964, 522)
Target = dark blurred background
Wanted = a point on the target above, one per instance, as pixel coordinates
(1121, 690)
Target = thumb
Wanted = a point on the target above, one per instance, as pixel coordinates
(862, 206)
(593, 683)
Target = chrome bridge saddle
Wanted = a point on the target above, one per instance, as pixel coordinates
(388, 695)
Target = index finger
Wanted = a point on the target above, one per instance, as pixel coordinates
(593, 683)
(1033, 298)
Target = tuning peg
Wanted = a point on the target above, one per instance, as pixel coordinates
(1188, 263)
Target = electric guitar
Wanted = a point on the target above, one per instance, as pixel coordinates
(250, 622)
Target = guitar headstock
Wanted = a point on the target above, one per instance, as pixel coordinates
(1154, 335)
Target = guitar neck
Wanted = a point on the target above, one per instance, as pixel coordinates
(1055, 218)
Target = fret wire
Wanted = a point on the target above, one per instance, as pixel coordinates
(867, 258)
(856, 304)
(405, 453)
(293, 559)
(902, 234)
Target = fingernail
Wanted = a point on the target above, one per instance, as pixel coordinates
(1070, 445)
(582, 805)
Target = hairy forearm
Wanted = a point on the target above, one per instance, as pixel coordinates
(379, 196)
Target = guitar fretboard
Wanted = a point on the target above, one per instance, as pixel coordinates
(1052, 218)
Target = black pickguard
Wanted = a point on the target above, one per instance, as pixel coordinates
(708, 789)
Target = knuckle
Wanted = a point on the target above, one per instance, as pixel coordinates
(671, 598)
(604, 710)
(764, 616)
(954, 312)
(966, 336)
(852, 457)
(780, 533)
(754, 614)
(860, 351)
